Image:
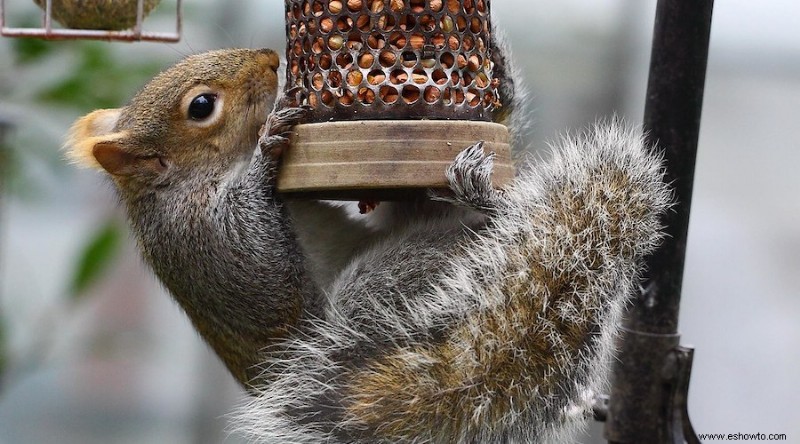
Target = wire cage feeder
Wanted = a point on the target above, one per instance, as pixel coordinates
(131, 27)
(396, 89)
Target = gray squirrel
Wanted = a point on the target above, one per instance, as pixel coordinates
(486, 316)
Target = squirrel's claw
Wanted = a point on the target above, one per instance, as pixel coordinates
(273, 146)
(470, 180)
(274, 135)
(291, 98)
(281, 121)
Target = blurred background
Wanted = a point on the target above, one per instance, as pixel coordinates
(92, 350)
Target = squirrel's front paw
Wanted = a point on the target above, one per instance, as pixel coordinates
(470, 179)
(274, 135)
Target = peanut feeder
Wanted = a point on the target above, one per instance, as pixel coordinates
(397, 88)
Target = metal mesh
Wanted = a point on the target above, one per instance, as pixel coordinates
(390, 59)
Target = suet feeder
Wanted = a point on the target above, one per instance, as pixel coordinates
(396, 89)
(120, 20)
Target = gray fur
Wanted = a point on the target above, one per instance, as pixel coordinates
(489, 321)
(221, 242)
(587, 216)
(515, 97)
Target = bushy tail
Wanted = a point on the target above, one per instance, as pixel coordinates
(511, 336)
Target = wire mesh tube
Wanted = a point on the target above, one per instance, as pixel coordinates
(377, 59)
(396, 61)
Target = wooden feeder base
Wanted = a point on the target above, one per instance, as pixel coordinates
(384, 159)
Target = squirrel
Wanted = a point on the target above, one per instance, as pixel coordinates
(479, 316)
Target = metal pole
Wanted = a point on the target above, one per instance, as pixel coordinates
(649, 384)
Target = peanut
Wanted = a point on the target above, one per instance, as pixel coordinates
(335, 6)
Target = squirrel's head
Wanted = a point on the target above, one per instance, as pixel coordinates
(203, 113)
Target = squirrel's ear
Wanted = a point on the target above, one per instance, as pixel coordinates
(90, 130)
(118, 161)
(92, 142)
(113, 158)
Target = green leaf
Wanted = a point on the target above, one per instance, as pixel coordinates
(28, 50)
(98, 254)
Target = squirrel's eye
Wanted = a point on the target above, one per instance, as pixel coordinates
(202, 106)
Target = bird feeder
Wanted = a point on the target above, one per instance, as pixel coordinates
(119, 20)
(396, 89)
